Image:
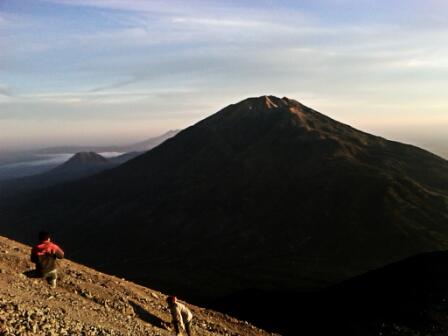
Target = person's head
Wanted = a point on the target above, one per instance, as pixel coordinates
(171, 300)
(44, 236)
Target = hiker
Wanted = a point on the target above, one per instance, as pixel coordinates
(181, 316)
(44, 255)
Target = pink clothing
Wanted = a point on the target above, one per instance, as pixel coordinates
(47, 247)
(44, 256)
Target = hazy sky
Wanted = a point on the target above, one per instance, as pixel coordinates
(113, 71)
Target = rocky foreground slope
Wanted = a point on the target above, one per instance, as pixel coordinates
(87, 302)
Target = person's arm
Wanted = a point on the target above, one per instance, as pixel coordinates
(59, 253)
(34, 256)
(56, 251)
(176, 319)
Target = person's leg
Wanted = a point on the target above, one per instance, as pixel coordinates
(53, 281)
(176, 328)
(51, 278)
(188, 328)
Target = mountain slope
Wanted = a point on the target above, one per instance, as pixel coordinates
(87, 302)
(406, 298)
(148, 144)
(265, 194)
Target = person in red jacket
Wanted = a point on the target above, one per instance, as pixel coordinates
(44, 255)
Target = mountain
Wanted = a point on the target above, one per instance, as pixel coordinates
(84, 158)
(265, 194)
(80, 165)
(22, 164)
(87, 302)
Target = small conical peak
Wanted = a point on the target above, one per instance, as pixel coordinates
(86, 158)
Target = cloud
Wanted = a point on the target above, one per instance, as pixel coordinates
(128, 5)
(211, 22)
(114, 85)
(147, 59)
(173, 7)
(6, 91)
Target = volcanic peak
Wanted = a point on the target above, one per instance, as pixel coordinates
(281, 116)
(268, 102)
(285, 111)
(273, 103)
(86, 158)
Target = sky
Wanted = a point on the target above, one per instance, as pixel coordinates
(117, 71)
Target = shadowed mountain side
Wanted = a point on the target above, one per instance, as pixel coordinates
(406, 298)
(120, 159)
(27, 170)
(266, 194)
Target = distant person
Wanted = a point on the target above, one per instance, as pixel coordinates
(44, 255)
(181, 316)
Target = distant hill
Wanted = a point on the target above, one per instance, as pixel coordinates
(83, 159)
(34, 162)
(265, 194)
(80, 165)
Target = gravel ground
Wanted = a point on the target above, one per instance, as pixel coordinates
(87, 302)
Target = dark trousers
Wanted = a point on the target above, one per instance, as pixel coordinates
(188, 328)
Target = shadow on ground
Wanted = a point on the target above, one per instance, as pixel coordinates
(144, 315)
(32, 274)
